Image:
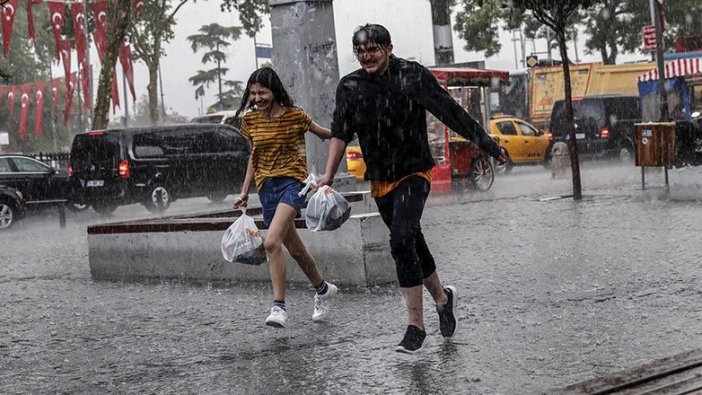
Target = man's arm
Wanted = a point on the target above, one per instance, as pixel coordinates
(336, 152)
(438, 102)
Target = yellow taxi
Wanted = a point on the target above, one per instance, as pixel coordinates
(524, 143)
(354, 161)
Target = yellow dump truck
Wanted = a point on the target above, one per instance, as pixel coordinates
(587, 79)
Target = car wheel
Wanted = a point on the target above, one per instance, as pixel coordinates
(217, 197)
(625, 153)
(104, 208)
(158, 199)
(482, 173)
(8, 215)
(506, 167)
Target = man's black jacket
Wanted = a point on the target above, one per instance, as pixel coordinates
(388, 114)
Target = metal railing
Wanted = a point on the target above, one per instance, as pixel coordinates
(57, 160)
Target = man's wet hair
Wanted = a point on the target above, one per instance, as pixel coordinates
(371, 32)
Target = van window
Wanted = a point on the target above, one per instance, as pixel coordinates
(147, 145)
(176, 142)
(230, 141)
(104, 148)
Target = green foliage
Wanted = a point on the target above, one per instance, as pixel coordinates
(250, 13)
(611, 26)
(213, 37)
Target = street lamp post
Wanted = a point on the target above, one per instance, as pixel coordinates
(659, 60)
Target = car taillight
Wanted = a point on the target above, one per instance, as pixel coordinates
(70, 170)
(604, 133)
(352, 155)
(96, 133)
(123, 169)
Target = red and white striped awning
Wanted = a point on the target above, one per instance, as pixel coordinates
(675, 68)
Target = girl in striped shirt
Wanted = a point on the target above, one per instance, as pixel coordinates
(278, 165)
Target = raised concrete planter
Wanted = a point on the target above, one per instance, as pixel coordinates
(685, 183)
(189, 248)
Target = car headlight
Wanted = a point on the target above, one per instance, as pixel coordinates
(19, 194)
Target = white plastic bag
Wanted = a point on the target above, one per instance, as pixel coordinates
(242, 242)
(326, 210)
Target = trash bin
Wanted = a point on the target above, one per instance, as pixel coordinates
(655, 144)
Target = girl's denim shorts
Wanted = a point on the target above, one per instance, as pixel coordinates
(280, 190)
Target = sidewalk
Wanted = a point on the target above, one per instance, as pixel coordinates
(551, 292)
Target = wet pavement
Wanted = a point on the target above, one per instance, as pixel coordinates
(551, 292)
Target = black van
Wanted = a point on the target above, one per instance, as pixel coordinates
(156, 165)
(604, 125)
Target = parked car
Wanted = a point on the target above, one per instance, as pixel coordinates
(354, 162)
(157, 165)
(40, 184)
(522, 142)
(12, 207)
(604, 125)
(221, 117)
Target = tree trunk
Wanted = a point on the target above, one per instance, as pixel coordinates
(115, 40)
(152, 89)
(572, 142)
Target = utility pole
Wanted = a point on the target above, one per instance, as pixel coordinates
(443, 38)
(304, 52)
(659, 60)
(89, 99)
(163, 106)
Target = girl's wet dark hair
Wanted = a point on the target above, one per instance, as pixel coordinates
(267, 78)
(371, 32)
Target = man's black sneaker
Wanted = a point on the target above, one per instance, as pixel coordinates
(413, 340)
(447, 320)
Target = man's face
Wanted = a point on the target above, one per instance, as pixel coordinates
(373, 58)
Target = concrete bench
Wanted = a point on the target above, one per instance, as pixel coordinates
(179, 247)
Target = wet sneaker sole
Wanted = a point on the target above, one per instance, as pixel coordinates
(275, 324)
(403, 350)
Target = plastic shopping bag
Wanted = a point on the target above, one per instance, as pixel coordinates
(326, 210)
(242, 242)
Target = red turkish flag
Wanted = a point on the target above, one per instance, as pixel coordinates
(138, 5)
(11, 90)
(57, 9)
(125, 58)
(55, 84)
(25, 92)
(39, 97)
(9, 10)
(30, 18)
(65, 46)
(72, 78)
(79, 30)
(100, 12)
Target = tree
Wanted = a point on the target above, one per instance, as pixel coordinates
(153, 27)
(250, 13)
(213, 37)
(116, 31)
(555, 14)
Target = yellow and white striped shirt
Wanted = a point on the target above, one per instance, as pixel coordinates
(278, 143)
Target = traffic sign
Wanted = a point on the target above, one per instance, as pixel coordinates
(649, 38)
(532, 61)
